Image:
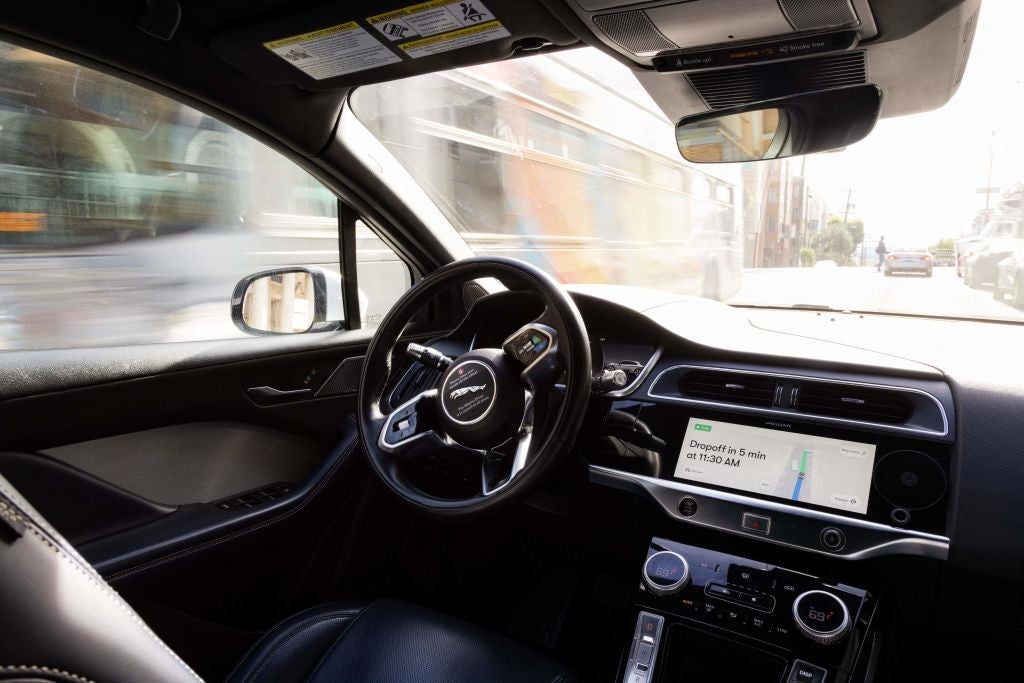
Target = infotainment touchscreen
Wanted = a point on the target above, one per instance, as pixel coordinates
(800, 467)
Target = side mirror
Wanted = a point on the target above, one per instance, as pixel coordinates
(779, 128)
(288, 301)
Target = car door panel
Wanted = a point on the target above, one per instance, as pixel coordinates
(202, 527)
(169, 392)
(82, 506)
(148, 456)
(194, 462)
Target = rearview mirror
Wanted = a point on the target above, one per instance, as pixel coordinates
(784, 127)
(288, 301)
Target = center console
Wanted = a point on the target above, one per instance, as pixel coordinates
(703, 615)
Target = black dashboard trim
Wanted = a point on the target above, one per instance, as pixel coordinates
(866, 539)
(793, 414)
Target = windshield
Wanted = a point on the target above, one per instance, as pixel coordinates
(564, 161)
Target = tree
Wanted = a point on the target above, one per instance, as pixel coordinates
(834, 243)
(807, 256)
(945, 245)
(855, 228)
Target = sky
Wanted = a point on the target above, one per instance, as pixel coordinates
(914, 178)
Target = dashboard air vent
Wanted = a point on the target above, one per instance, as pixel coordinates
(730, 387)
(854, 402)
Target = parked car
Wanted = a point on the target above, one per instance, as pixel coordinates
(904, 261)
(966, 246)
(1010, 279)
(1001, 237)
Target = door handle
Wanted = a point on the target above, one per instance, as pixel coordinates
(265, 394)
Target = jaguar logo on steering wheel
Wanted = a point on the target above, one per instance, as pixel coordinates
(465, 390)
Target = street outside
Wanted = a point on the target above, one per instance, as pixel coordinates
(864, 289)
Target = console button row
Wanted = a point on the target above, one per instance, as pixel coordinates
(765, 603)
(732, 617)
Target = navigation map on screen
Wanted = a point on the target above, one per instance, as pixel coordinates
(799, 467)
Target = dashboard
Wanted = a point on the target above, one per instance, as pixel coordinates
(897, 447)
(832, 461)
(783, 474)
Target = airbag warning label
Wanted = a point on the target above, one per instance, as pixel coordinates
(333, 51)
(440, 26)
(492, 30)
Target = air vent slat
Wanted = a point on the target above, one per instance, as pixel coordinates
(854, 402)
(729, 387)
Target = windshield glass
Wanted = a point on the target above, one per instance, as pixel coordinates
(563, 160)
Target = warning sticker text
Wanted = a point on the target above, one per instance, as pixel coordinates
(333, 51)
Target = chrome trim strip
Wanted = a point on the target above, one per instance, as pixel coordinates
(625, 391)
(903, 541)
(794, 414)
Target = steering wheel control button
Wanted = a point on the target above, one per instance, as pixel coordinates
(401, 425)
(759, 524)
(821, 616)
(804, 672)
(666, 573)
(528, 345)
(832, 539)
(468, 392)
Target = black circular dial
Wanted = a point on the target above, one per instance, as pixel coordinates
(821, 616)
(666, 573)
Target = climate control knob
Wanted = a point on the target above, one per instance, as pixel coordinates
(821, 616)
(666, 573)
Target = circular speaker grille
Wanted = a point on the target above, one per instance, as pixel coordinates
(910, 479)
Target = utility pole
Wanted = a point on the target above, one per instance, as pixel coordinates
(988, 183)
(846, 218)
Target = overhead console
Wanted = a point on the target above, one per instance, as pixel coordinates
(693, 56)
(849, 467)
(644, 30)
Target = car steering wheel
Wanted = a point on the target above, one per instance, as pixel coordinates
(499, 406)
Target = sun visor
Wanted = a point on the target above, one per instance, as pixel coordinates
(342, 45)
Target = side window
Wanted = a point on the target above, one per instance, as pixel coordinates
(381, 274)
(127, 217)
